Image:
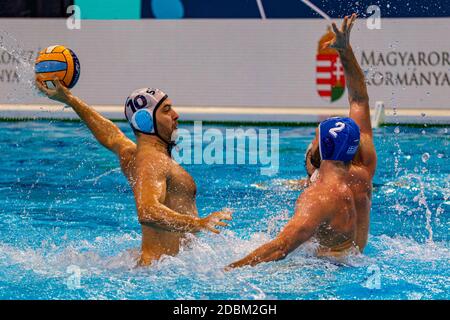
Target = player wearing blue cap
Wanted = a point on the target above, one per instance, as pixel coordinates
(164, 192)
(335, 208)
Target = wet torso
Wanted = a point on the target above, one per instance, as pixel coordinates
(338, 234)
(334, 238)
(179, 196)
(361, 186)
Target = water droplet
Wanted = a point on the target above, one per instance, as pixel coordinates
(440, 155)
(397, 130)
(425, 157)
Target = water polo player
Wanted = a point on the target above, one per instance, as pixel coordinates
(335, 208)
(164, 192)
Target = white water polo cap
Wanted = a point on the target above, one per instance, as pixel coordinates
(140, 109)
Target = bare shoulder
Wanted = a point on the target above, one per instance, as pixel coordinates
(319, 202)
(367, 156)
(320, 195)
(147, 165)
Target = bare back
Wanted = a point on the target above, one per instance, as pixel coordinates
(361, 175)
(338, 232)
(359, 191)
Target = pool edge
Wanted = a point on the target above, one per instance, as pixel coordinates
(288, 116)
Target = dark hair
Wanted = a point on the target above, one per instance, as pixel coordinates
(313, 161)
(315, 158)
(306, 160)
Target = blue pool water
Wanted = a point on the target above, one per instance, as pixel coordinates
(64, 203)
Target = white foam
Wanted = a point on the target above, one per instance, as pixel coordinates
(409, 249)
(199, 267)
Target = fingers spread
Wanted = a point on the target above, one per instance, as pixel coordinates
(44, 89)
(335, 29)
(57, 83)
(344, 24)
(226, 216)
(213, 230)
(222, 215)
(41, 87)
(222, 224)
(352, 22)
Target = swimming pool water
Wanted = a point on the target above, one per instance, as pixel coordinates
(64, 202)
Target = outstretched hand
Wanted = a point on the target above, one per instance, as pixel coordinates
(342, 36)
(214, 220)
(60, 93)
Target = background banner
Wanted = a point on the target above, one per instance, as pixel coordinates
(238, 63)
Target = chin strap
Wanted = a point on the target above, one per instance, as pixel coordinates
(170, 146)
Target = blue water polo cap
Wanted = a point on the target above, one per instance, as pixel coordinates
(339, 139)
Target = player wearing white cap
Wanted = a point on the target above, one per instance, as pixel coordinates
(164, 192)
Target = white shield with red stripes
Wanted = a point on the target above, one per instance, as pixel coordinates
(330, 78)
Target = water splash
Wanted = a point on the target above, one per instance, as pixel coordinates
(425, 157)
(96, 179)
(23, 70)
(422, 200)
(410, 250)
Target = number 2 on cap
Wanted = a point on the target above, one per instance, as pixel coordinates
(339, 127)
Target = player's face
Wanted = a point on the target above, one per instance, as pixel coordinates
(166, 120)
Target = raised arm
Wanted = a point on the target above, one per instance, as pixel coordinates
(354, 76)
(150, 191)
(104, 130)
(309, 215)
(357, 92)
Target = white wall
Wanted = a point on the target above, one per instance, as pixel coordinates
(226, 62)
